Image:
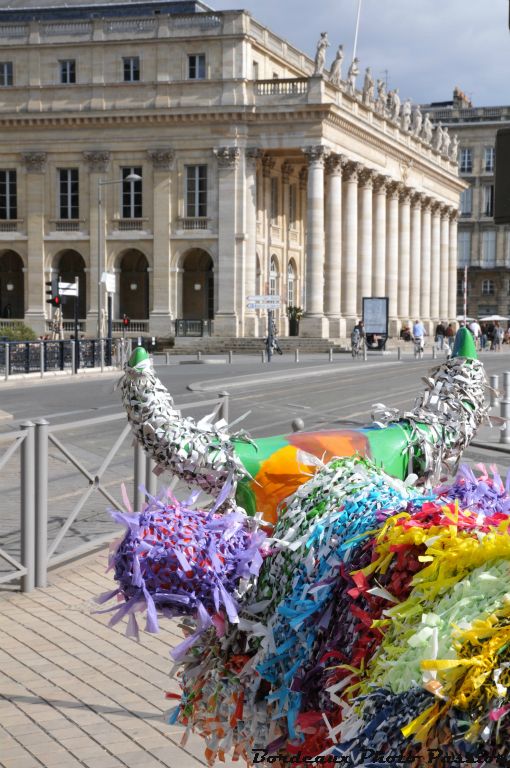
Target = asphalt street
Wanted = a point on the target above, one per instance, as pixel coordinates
(270, 396)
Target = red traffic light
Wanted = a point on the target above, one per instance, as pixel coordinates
(56, 301)
(125, 320)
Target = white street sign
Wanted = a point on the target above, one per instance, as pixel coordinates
(268, 298)
(67, 289)
(110, 281)
(261, 305)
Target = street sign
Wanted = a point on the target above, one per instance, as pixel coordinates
(264, 297)
(110, 281)
(263, 302)
(67, 289)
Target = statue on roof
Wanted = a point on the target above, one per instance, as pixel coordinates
(380, 104)
(335, 73)
(417, 121)
(454, 151)
(320, 55)
(407, 110)
(445, 146)
(368, 87)
(438, 138)
(426, 132)
(394, 100)
(351, 77)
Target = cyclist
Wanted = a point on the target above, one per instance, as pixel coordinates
(275, 347)
(357, 338)
(418, 338)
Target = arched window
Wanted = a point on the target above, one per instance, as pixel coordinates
(488, 287)
(291, 284)
(273, 276)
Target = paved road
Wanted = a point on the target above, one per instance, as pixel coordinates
(322, 394)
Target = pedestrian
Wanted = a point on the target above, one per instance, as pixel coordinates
(418, 338)
(497, 336)
(475, 329)
(483, 338)
(450, 336)
(439, 335)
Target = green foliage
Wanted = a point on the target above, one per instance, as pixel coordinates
(17, 332)
(294, 313)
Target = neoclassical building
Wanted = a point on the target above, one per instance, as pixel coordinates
(202, 159)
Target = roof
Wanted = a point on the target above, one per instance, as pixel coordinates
(46, 10)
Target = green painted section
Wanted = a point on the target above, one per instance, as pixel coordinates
(253, 455)
(139, 355)
(464, 345)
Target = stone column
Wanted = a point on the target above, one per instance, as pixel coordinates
(268, 164)
(333, 265)
(394, 189)
(366, 179)
(161, 314)
(314, 323)
(379, 236)
(435, 261)
(251, 321)
(404, 256)
(425, 263)
(36, 276)
(452, 267)
(286, 170)
(98, 163)
(226, 275)
(303, 186)
(444, 259)
(350, 245)
(415, 262)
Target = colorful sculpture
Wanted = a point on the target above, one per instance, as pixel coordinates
(373, 626)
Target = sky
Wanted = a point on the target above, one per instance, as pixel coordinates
(423, 47)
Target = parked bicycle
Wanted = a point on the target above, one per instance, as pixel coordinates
(275, 347)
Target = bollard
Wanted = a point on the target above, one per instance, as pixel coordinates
(365, 354)
(28, 506)
(151, 481)
(199, 355)
(41, 352)
(296, 355)
(434, 352)
(167, 358)
(7, 360)
(263, 356)
(399, 353)
(297, 425)
(139, 477)
(223, 410)
(230, 355)
(73, 358)
(505, 409)
(101, 353)
(331, 354)
(41, 502)
(494, 384)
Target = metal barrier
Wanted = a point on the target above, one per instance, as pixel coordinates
(34, 441)
(44, 356)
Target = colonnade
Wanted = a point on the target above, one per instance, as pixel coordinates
(370, 235)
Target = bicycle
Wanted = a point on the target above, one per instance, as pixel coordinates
(419, 345)
(275, 347)
(357, 344)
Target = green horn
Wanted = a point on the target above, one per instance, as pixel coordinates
(464, 345)
(138, 356)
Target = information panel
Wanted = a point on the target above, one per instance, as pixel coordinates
(375, 315)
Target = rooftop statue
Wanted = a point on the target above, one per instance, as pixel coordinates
(368, 87)
(335, 73)
(352, 76)
(320, 56)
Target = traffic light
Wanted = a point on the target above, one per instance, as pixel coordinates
(125, 321)
(52, 291)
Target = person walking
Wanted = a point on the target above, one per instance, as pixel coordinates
(497, 337)
(439, 335)
(475, 329)
(418, 338)
(450, 336)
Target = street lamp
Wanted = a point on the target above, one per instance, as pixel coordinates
(100, 239)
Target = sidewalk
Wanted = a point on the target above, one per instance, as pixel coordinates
(75, 692)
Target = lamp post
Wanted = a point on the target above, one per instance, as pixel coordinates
(100, 246)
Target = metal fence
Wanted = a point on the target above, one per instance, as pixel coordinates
(44, 356)
(30, 545)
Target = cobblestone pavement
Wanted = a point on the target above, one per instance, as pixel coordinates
(75, 692)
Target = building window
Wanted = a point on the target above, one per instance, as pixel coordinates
(488, 287)
(291, 285)
(131, 68)
(196, 66)
(273, 276)
(68, 193)
(460, 285)
(293, 206)
(488, 200)
(466, 160)
(464, 249)
(255, 69)
(67, 71)
(8, 196)
(6, 73)
(131, 194)
(488, 248)
(466, 202)
(488, 159)
(196, 190)
(274, 198)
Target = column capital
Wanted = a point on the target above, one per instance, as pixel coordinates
(316, 155)
(35, 162)
(366, 178)
(427, 203)
(417, 199)
(268, 163)
(303, 177)
(406, 194)
(98, 160)
(162, 159)
(445, 211)
(394, 189)
(381, 184)
(436, 206)
(253, 154)
(352, 170)
(227, 157)
(454, 214)
(335, 165)
(287, 169)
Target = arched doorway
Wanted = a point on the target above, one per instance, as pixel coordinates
(70, 265)
(134, 285)
(197, 286)
(12, 289)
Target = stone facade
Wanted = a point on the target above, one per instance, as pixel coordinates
(483, 247)
(257, 176)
